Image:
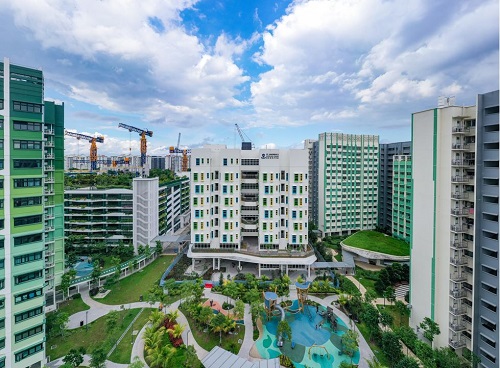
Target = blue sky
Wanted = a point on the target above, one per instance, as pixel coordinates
(283, 70)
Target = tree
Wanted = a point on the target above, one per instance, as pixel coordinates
(284, 330)
(402, 310)
(370, 296)
(350, 343)
(391, 347)
(172, 315)
(61, 323)
(425, 354)
(471, 359)
(217, 322)
(407, 336)
(158, 247)
(256, 308)
(252, 295)
(66, 280)
(239, 309)
(386, 318)
(153, 340)
(383, 281)
(374, 363)
(447, 358)
(98, 358)
(231, 290)
(370, 317)
(430, 328)
(389, 294)
(96, 273)
(205, 315)
(156, 318)
(161, 356)
(407, 362)
(75, 357)
(177, 331)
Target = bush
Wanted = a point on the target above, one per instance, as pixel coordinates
(77, 296)
(94, 291)
(227, 306)
(286, 361)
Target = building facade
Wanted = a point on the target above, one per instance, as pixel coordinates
(250, 207)
(385, 185)
(129, 216)
(31, 194)
(312, 147)
(454, 278)
(347, 183)
(401, 197)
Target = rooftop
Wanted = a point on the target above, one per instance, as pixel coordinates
(378, 242)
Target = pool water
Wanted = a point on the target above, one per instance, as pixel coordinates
(83, 268)
(306, 332)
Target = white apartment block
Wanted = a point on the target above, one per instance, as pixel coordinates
(250, 206)
(454, 271)
(347, 183)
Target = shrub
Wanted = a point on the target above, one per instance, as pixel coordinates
(286, 361)
(227, 306)
(77, 296)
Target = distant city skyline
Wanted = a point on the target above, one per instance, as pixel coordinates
(284, 71)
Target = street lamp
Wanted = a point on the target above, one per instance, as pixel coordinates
(86, 320)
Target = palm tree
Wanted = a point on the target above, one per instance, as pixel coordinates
(217, 322)
(156, 318)
(160, 357)
(154, 342)
(374, 363)
(172, 315)
(229, 324)
(177, 331)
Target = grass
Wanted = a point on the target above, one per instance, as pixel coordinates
(395, 315)
(378, 242)
(72, 306)
(129, 289)
(96, 336)
(376, 350)
(208, 340)
(123, 351)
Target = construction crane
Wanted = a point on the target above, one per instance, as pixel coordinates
(93, 146)
(246, 145)
(184, 152)
(143, 133)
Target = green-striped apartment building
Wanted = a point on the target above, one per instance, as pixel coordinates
(401, 197)
(347, 183)
(31, 213)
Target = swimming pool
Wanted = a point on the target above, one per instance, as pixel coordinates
(83, 268)
(306, 332)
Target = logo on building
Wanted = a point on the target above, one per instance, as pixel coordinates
(270, 156)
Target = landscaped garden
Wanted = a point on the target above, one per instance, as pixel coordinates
(126, 291)
(378, 242)
(73, 305)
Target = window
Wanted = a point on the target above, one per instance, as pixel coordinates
(224, 213)
(294, 214)
(25, 183)
(19, 298)
(197, 162)
(2, 323)
(27, 220)
(27, 145)
(27, 107)
(224, 161)
(294, 189)
(26, 239)
(25, 277)
(195, 175)
(27, 164)
(29, 351)
(27, 201)
(28, 314)
(264, 177)
(294, 239)
(34, 127)
(28, 333)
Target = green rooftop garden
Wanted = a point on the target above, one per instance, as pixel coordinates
(378, 242)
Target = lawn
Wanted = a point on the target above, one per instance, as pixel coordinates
(129, 289)
(72, 306)
(395, 315)
(376, 350)
(123, 351)
(95, 336)
(208, 340)
(378, 242)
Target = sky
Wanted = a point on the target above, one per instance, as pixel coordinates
(284, 71)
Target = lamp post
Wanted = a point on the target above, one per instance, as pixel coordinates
(86, 320)
(187, 338)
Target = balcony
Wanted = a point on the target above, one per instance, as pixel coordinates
(48, 168)
(459, 244)
(457, 228)
(456, 343)
(457, 277)
(249, 221)
(48, 131)
(49, 264)
(254, 250)
(49, 180)
(458, 311)
(49, 144)
(458, 129)
(463, 195)
(49, 277)
(460, 146)
(463, 211)
(49, 156)
(458, 294)
(457, 327)
(460, 179)
(458, 261)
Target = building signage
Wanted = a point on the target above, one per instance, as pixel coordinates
(270, 156)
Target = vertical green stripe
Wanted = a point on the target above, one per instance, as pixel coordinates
(434, 178)
(411, 210)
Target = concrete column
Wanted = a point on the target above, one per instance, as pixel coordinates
(259, 269)
(192, 263)
(286, 269)
(309, 271)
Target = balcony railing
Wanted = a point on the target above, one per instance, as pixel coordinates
(457, 294)
(457, 277)
(459, 244)
(457, 343)
(457, 311)
(457, 327)
(464, 211)
(463, 195)
(457, 228)
(263, 253)
(458, 261)
(460, 179)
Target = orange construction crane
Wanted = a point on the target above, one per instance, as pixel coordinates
(93, 146)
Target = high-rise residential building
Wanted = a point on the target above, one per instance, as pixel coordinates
(31, 197)
(128, 216)
(454, 278)
(347, 183)
(157, 162)
(385, 185)
(249, 207)
(312, 147)
(401, 197)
